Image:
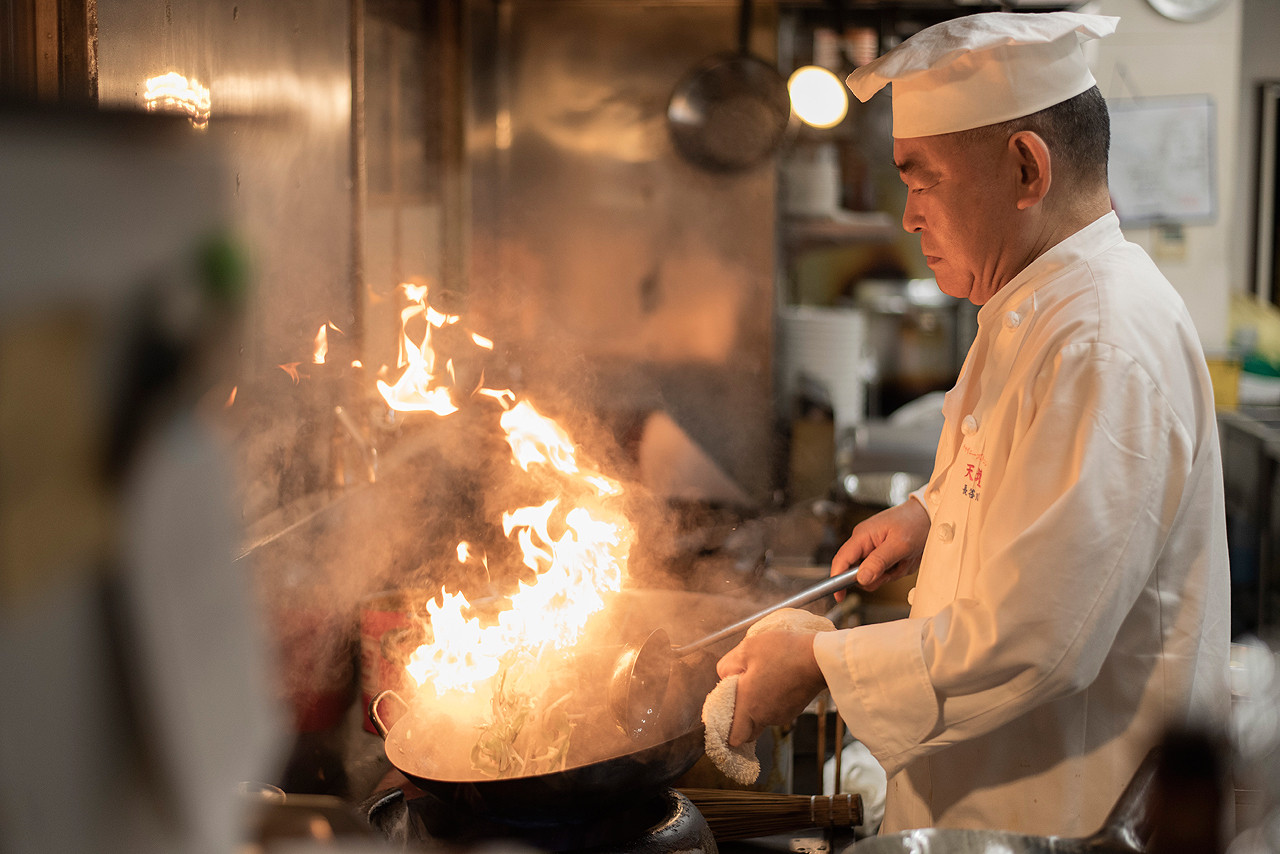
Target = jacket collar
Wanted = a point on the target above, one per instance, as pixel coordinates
(1095, 238)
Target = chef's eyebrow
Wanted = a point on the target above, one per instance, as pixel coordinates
(906, 165)
(912, 168)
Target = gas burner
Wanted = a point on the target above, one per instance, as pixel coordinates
(659, 823)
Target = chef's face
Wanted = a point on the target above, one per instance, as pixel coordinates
(960, 201)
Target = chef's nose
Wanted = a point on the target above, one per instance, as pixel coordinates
(912, 221)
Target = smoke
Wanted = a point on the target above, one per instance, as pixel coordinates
(319, 548)
(324, 539)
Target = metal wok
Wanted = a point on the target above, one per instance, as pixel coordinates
(1126, 830)
(435, 759)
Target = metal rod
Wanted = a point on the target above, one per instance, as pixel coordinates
(359, 167)
(804, 597)
(822, 736)
(839, 740)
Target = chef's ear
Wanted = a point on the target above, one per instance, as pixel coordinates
(1035, 168)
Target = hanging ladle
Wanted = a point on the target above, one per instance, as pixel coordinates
(641, 673)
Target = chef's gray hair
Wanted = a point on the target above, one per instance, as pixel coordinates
(1077, 131)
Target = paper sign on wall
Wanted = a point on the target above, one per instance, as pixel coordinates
(1162, 160)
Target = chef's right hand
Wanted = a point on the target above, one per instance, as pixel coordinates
(888, 545)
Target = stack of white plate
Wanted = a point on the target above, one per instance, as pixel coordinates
(825, 349)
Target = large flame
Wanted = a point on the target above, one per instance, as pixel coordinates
(575, 543)
(421, 388)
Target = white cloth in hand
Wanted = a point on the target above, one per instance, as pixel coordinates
(740, 763)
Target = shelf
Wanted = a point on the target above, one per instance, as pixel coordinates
(839, 228)
(953, 6)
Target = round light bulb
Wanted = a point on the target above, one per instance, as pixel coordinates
(818, 96)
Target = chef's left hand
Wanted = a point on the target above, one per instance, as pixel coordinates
(778, 676)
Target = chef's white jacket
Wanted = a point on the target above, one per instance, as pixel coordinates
(1072, 600)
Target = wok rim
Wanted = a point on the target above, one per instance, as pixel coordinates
(652, 765)
(571, 791)
(565, 792)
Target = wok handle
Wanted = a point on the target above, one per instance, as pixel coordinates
(804, 597)
(375, 718)
(733, 814)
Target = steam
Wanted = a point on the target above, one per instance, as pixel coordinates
(431, 523)
(441, 481)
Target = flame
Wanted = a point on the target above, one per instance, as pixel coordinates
(322, 345)
(291, 368)
(575, 543)
(461, 653)
(231, 398)
(321, 350)
(537, 439)
(578, 554)
(505, 396)
(420, 388)
(575, 571)
(174, 92)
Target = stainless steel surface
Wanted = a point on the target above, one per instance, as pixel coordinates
(615, 273)
(1126, 830)
(279, 79)
(882, 488)
(919, 337)
(1250, 439)
(639, 681)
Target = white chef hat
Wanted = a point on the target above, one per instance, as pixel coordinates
(983, 69)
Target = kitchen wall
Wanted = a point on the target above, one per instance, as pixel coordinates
(1151, 56)
(597, 296)
(279, 81)
(617, 275)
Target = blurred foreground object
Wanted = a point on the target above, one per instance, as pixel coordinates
(1255, 735)
(126, 632)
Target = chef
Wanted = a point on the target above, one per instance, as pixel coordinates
(1071, 601)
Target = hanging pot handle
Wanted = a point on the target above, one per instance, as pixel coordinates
(744, 28)
(375, 718)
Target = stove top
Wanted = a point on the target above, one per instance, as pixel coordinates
(660, 822)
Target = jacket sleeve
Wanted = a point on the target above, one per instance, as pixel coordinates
(1089, 489)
